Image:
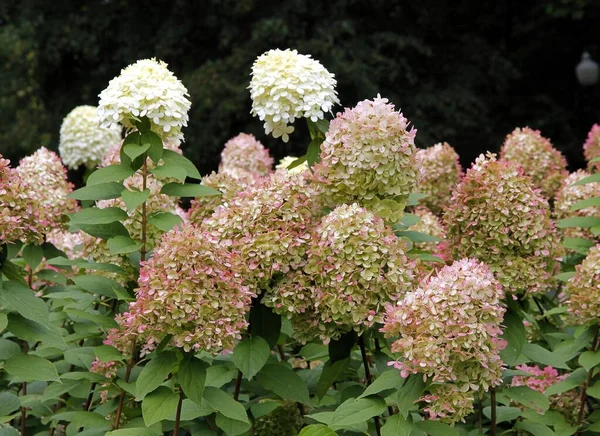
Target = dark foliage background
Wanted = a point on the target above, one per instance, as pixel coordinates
(465, 71)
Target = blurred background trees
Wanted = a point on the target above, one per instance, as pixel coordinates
(465, 72)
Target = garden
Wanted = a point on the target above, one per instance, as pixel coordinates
(368, 287)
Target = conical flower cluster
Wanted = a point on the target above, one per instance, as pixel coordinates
(498, 217)
(441, 173)
(546, 166)
(356, 265)
(448, 330)
(568, 195)
(191, 290)
(369, 157)
(48, 187)
(583, 289)
(591, 147)
(83, 141)
(146, 89)
(244, 153)
(286, 85)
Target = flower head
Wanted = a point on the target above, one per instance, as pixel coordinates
(448, 330)
(286, 85)
(540, 160)
(447, 403)
(356, 265)
(497, 216)
(48, 187)
(83, 141)
(287, 161)
(245, 153)
(583, 289)
(369, 157)
(591, 147)
(441, 172)
(67, 242)
(146, 89)
(192, 290)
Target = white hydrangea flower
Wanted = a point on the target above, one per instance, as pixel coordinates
(286, 85)
(83, 141)
(146, 89)
(287, 161)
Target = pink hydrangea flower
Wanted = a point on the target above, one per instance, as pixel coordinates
(583, 289)
(591, 147)
(244, 152)
(568, 195)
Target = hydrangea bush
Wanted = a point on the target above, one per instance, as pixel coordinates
(319, 298)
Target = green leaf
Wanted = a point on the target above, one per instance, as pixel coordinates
(535, 428)
(13, 272)
(94, 215)
(188, 190)
(107, 353)
(134, 431)
(396, 425)
(313, 151)
(355, 411)
(579, 221)
(589, 359)
(436, 428)
(250, 355)
(19, 298)
(123, 245)
(100, 191)
(589, 179)
(284, 382)
(312, 351)
(515, 336)
(317, 430)
(540, 355)
(191, 410)
(28, 367)
(159, 405)
(170, 171)
(97, 284)
(192, 378)
(594, 391)
(528, 397)
(585, 203)
(231, 427)
(134, 150)
(265, 323)
(8, 349)
(55, 390)
(3, 321)
(579, 245)
(9, 402)
(503, 413)
(415, 198)
(417, 236)
(111, 173)
(134, 198)
(322, 125)
(409, 393)
(177, 160)
(565, 277)
(33, 255)
(296, 163)
(341, 348)
(154, 373)
(156, 146)
(224, 403)
(387, 380)
(82, 419)
(574, 380)
(218, 375)
(80, 356)
(164, 221)
(332, 372)
(32, 331)
(264, 407)
(104, 231)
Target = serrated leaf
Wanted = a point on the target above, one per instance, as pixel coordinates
(535, 428)
(224, 403)
(108, 353)
(28, 367)
(82, 419)
(55, 390)
(191, 410)
(95, 215)
(528, 397)
(103, 231)
(264, 407)
(436, 428)
(332, 372)
(19, 298)
(177, 160)
(317, 430)
(154, 373)
(33, 255)
(574, 380)
(188, 190)
(133, 199)
(13, 272)
(8, 349)
(192, 378)
(170, 171)
(123, 245)
(409, 393)
(585, 203)
(589, 359)
(284, 382)
(165, 221)
(594, 391)
(584, 222)
(515, 337)
(417, 236)
(111, 173)
(100, 191)
(3, 321)
(540, 355)
(355, 411)
(9, 402)
(313, 351)
(250, 355)
(155, 150)
(231, 427)
(579, 245)
(565, 277)
(159, 405)
(313, 151)
(503, 413)
(296, 163)
(387, 380)
(134, 150)
(80, 356)
(134, 431)
(32, 331)
(415, 198)
(586, 180)
(97, 284)
(396, 425)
